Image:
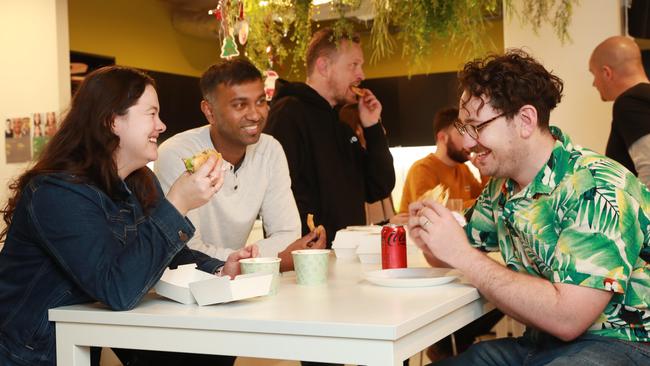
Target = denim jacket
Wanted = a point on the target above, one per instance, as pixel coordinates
(69, 243)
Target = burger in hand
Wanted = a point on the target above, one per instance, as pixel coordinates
(194, 163)
(356, 90)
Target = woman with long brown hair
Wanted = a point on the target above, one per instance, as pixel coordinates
(88, 222)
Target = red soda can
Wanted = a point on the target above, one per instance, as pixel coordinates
(393, 246)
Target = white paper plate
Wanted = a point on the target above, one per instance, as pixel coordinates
(365, 228)
(411, 277)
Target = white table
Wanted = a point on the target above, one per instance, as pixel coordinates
(346, 321)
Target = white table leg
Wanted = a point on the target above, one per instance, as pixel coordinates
(67, 351)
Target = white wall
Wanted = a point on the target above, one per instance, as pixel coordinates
(581, 113)
(34, 67)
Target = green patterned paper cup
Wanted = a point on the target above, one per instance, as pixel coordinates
(263, 264)
(311, 266)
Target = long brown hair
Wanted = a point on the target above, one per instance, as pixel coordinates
(85, 144)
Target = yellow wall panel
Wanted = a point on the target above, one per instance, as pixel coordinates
(137, 33)
(441, 59)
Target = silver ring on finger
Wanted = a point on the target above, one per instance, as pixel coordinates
(426, 222)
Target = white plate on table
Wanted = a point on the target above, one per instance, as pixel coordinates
(411, 277)
(365, 228)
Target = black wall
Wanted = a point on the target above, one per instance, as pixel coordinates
(645, 58)
(409, 105)
(179, 95)
(180, 99)
(639, 19)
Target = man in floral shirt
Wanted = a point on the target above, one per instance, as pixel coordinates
(573, 228)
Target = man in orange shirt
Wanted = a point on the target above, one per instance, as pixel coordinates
(445, 166)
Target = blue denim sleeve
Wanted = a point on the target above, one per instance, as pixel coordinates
(113, 262)
(203, 261)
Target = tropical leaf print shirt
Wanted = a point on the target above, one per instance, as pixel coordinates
(584, 220)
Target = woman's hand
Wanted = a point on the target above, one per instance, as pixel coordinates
(190, 191)
(231, 268)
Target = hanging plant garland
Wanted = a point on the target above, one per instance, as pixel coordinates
(271, 24)
(411, 24)
(302, 30)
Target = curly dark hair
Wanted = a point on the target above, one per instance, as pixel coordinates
(511, 81)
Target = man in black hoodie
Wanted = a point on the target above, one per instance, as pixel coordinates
(331, 174)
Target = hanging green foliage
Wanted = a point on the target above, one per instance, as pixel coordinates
(417, 22)
(280, 29)
(556, 12)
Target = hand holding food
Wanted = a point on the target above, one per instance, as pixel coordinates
(315, 239)
(194, 190)
(369, 106)
(318, 230)
(439, 194)
(194, 163)
(356, 90)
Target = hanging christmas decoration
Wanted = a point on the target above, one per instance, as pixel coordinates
(241, 26)
(241, 10)
(229, 47)
(243, 32)
(269, 83)
(216, 12)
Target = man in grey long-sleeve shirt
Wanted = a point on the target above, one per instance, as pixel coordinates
(257, 180)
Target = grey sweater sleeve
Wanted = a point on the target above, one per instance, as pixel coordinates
(640, 154)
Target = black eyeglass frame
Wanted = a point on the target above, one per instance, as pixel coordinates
(473, 130)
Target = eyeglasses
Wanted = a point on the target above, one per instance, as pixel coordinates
(473, 130)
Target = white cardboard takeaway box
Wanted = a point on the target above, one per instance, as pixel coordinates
(188, 285)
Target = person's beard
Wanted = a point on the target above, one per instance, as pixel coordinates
(458, 155)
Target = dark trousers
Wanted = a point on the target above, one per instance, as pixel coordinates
(130, 357)
(536, 348)
(466, 335)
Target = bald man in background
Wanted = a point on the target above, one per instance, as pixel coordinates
(619, 76)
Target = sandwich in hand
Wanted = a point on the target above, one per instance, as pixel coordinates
(356, 90)
(194, 163)
(438, 193)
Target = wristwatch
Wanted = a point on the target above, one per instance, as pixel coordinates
(219, 271)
